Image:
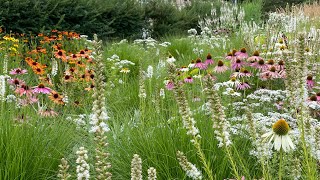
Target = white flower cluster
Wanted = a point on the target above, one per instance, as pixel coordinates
(11, 98)
(149, 73)
(149, 42)
(136, 168)
(5, 64)
(3, 87)
(152, 173)
(82, 167)
(267, 96)
(55, 67)
(190, 169)
(231, 92)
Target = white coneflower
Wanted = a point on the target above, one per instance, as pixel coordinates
(5, 64)
(190, 169)
(136, 168)
(55, 67)
(82, 167)
(152, 173)
(149, 72)
(280, 136)
(63, 170)
(171, 59)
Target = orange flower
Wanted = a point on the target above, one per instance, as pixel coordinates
(56, 97)
(73, 58)
(60, 54)
(80, 63)
(38, 70)
(68, 78)
(89, 88)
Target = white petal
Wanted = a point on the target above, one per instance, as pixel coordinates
(271, 138)
(284, 143)
(277, 142)
(290, 143)
(267, 134)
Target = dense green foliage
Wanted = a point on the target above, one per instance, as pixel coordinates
(276, 4)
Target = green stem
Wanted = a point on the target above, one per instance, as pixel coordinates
(202, 158)
(280, 165)
(235, 171)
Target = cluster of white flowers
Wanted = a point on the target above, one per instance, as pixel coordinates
(11, 98)
(3, 87)
(148, 42)
(162, 93)
(136, 168)
(5, 64)
(149, 73)
(55, 67)
(268, 96)
(152, 173)
(231, 92)
(82, 167)
(190, 169)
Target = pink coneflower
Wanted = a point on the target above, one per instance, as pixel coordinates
(170, 85)
(280, 65)
(260, 65)
(188, 79)
(16, 82)
(313, 98)
(237, 64)
(18, 71)
(209, 59)
(310, 82)
(243, 86)
(255, 57)
(28, 100)
(24, 89)
(199, 64)
(272, 73)
(231, 55)
(244, 73)
(47, 112)
(318, 96)
(220, 68)
(41, 89)
(242, 53)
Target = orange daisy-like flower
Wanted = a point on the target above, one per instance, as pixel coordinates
(72, 58)
(60, 54)
(56, 97)
(68, 78)
(38, 70)
(80, 63)
(46, 80)
(57, 47)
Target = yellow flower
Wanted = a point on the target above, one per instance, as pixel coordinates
(125, 70)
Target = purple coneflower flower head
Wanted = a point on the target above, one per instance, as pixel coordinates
(270, 63)
(242, 54)
(18, 71)
(16, 82)
(260, 64)
(188, 79)
(255, 57)
(244, 73)
(23, 89)
(169, 85)
(209, 59)
(272, 73)
(29, 100)
(231, 55)
(280, 65)
(47, 112)
(237, 64)
(318, 96)
(199, 64)
(220, 68)
(243, 86)
(310, 82)
(41, 89)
